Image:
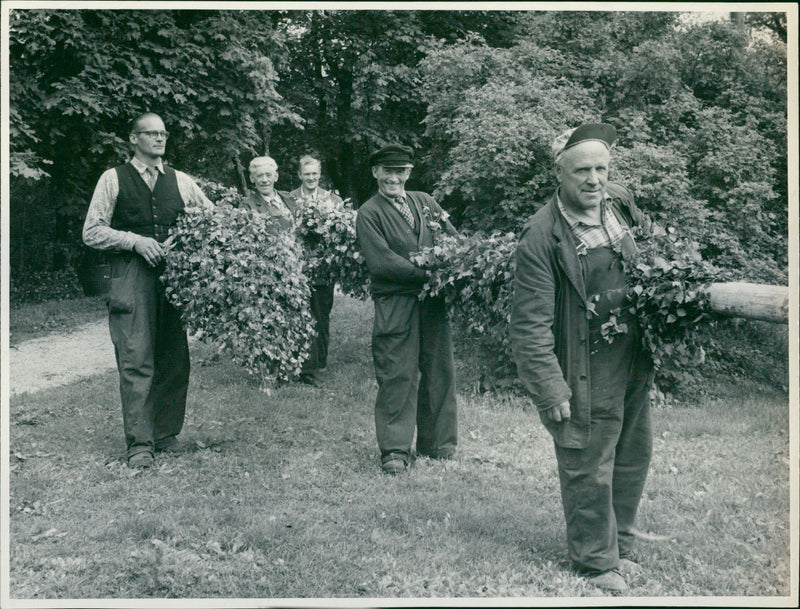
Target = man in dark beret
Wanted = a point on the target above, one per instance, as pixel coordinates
(411, 345)
(592, 395)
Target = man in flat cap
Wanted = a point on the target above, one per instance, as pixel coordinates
(411, 345)
(592, 395)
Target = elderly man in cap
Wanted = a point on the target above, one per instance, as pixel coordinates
(592, 395)
(411, 345)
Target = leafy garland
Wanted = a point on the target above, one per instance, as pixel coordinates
(238, 281)
(331, 249)
(668, 283)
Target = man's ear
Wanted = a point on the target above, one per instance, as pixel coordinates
(375, 171)
(558, 172)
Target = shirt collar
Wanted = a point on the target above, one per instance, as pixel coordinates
(399, 198)
(309, 196)
(141, 167)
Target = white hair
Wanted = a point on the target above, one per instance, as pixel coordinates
(260, 161)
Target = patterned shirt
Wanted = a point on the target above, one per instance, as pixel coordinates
(97, 231)
(590, 236)
(322, 199)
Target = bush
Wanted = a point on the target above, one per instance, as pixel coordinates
(238, 281)
(331, 250)
(46, 285)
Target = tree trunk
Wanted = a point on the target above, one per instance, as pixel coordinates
(750, 301)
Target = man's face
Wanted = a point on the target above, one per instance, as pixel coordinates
(391, 180)
(144, 144)
(309, 175)
(582, 174)
(263, 178)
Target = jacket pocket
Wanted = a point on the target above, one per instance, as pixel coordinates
(121, 295)
(393, 314)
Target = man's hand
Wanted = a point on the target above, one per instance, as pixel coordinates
(149, 249)
(558, 413)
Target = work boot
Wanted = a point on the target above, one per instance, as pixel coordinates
(609, 581)
(140, 460)
(394, 467)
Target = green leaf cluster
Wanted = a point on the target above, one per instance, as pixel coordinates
(331, 249)
(668, 282)
(238, 282)
(475, 274)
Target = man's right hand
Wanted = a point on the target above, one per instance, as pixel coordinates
(558, 413)
(149, 249)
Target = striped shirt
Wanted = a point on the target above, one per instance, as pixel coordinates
(589, 236)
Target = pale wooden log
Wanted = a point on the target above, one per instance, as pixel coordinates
(750, 301)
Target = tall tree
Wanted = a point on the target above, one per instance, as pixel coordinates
(79, 76)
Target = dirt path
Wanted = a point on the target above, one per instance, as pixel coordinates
(58, 359)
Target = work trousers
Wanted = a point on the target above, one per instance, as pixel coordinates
(601, 484)
(413, 356)
(321, 305)
(152, 354)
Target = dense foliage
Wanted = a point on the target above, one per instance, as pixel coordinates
(331, 249)
(238, 281)
(690, 102)
(475, 274)
(700, 106)
(667, 294)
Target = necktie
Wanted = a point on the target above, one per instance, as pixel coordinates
(401, 205)
(152, 176)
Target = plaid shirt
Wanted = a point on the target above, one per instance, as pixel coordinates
(590, 236)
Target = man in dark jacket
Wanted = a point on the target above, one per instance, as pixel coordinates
(592, 395)
(266, 199)
(130, 214)
(411, 345)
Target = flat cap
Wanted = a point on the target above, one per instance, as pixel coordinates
(393, 155)
(590, 132)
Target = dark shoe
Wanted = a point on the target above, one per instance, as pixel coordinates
(309, 378)
(609, 581)
(167, 445)
(394, 467)
(140, 460)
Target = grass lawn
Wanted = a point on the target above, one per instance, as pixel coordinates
(36, 320)
(281, 495)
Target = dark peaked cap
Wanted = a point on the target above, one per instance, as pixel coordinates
(393, 155)
(599, 132)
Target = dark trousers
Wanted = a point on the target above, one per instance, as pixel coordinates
(152, 353)
(321, 305)
(601, 485)
(413, 356)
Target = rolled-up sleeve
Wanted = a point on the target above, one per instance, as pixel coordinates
(531, 327)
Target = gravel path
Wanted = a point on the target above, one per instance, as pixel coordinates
(59, 359)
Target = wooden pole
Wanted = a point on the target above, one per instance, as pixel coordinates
(750, 301)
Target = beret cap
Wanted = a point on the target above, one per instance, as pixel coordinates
(393, 155)
(590, 132)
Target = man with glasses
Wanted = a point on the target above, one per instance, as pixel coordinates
(130, 214)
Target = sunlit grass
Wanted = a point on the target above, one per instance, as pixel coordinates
(281, 495)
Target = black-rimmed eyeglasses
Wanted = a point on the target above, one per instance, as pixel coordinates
(155, 134)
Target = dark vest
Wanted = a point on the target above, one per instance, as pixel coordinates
(146, 213)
